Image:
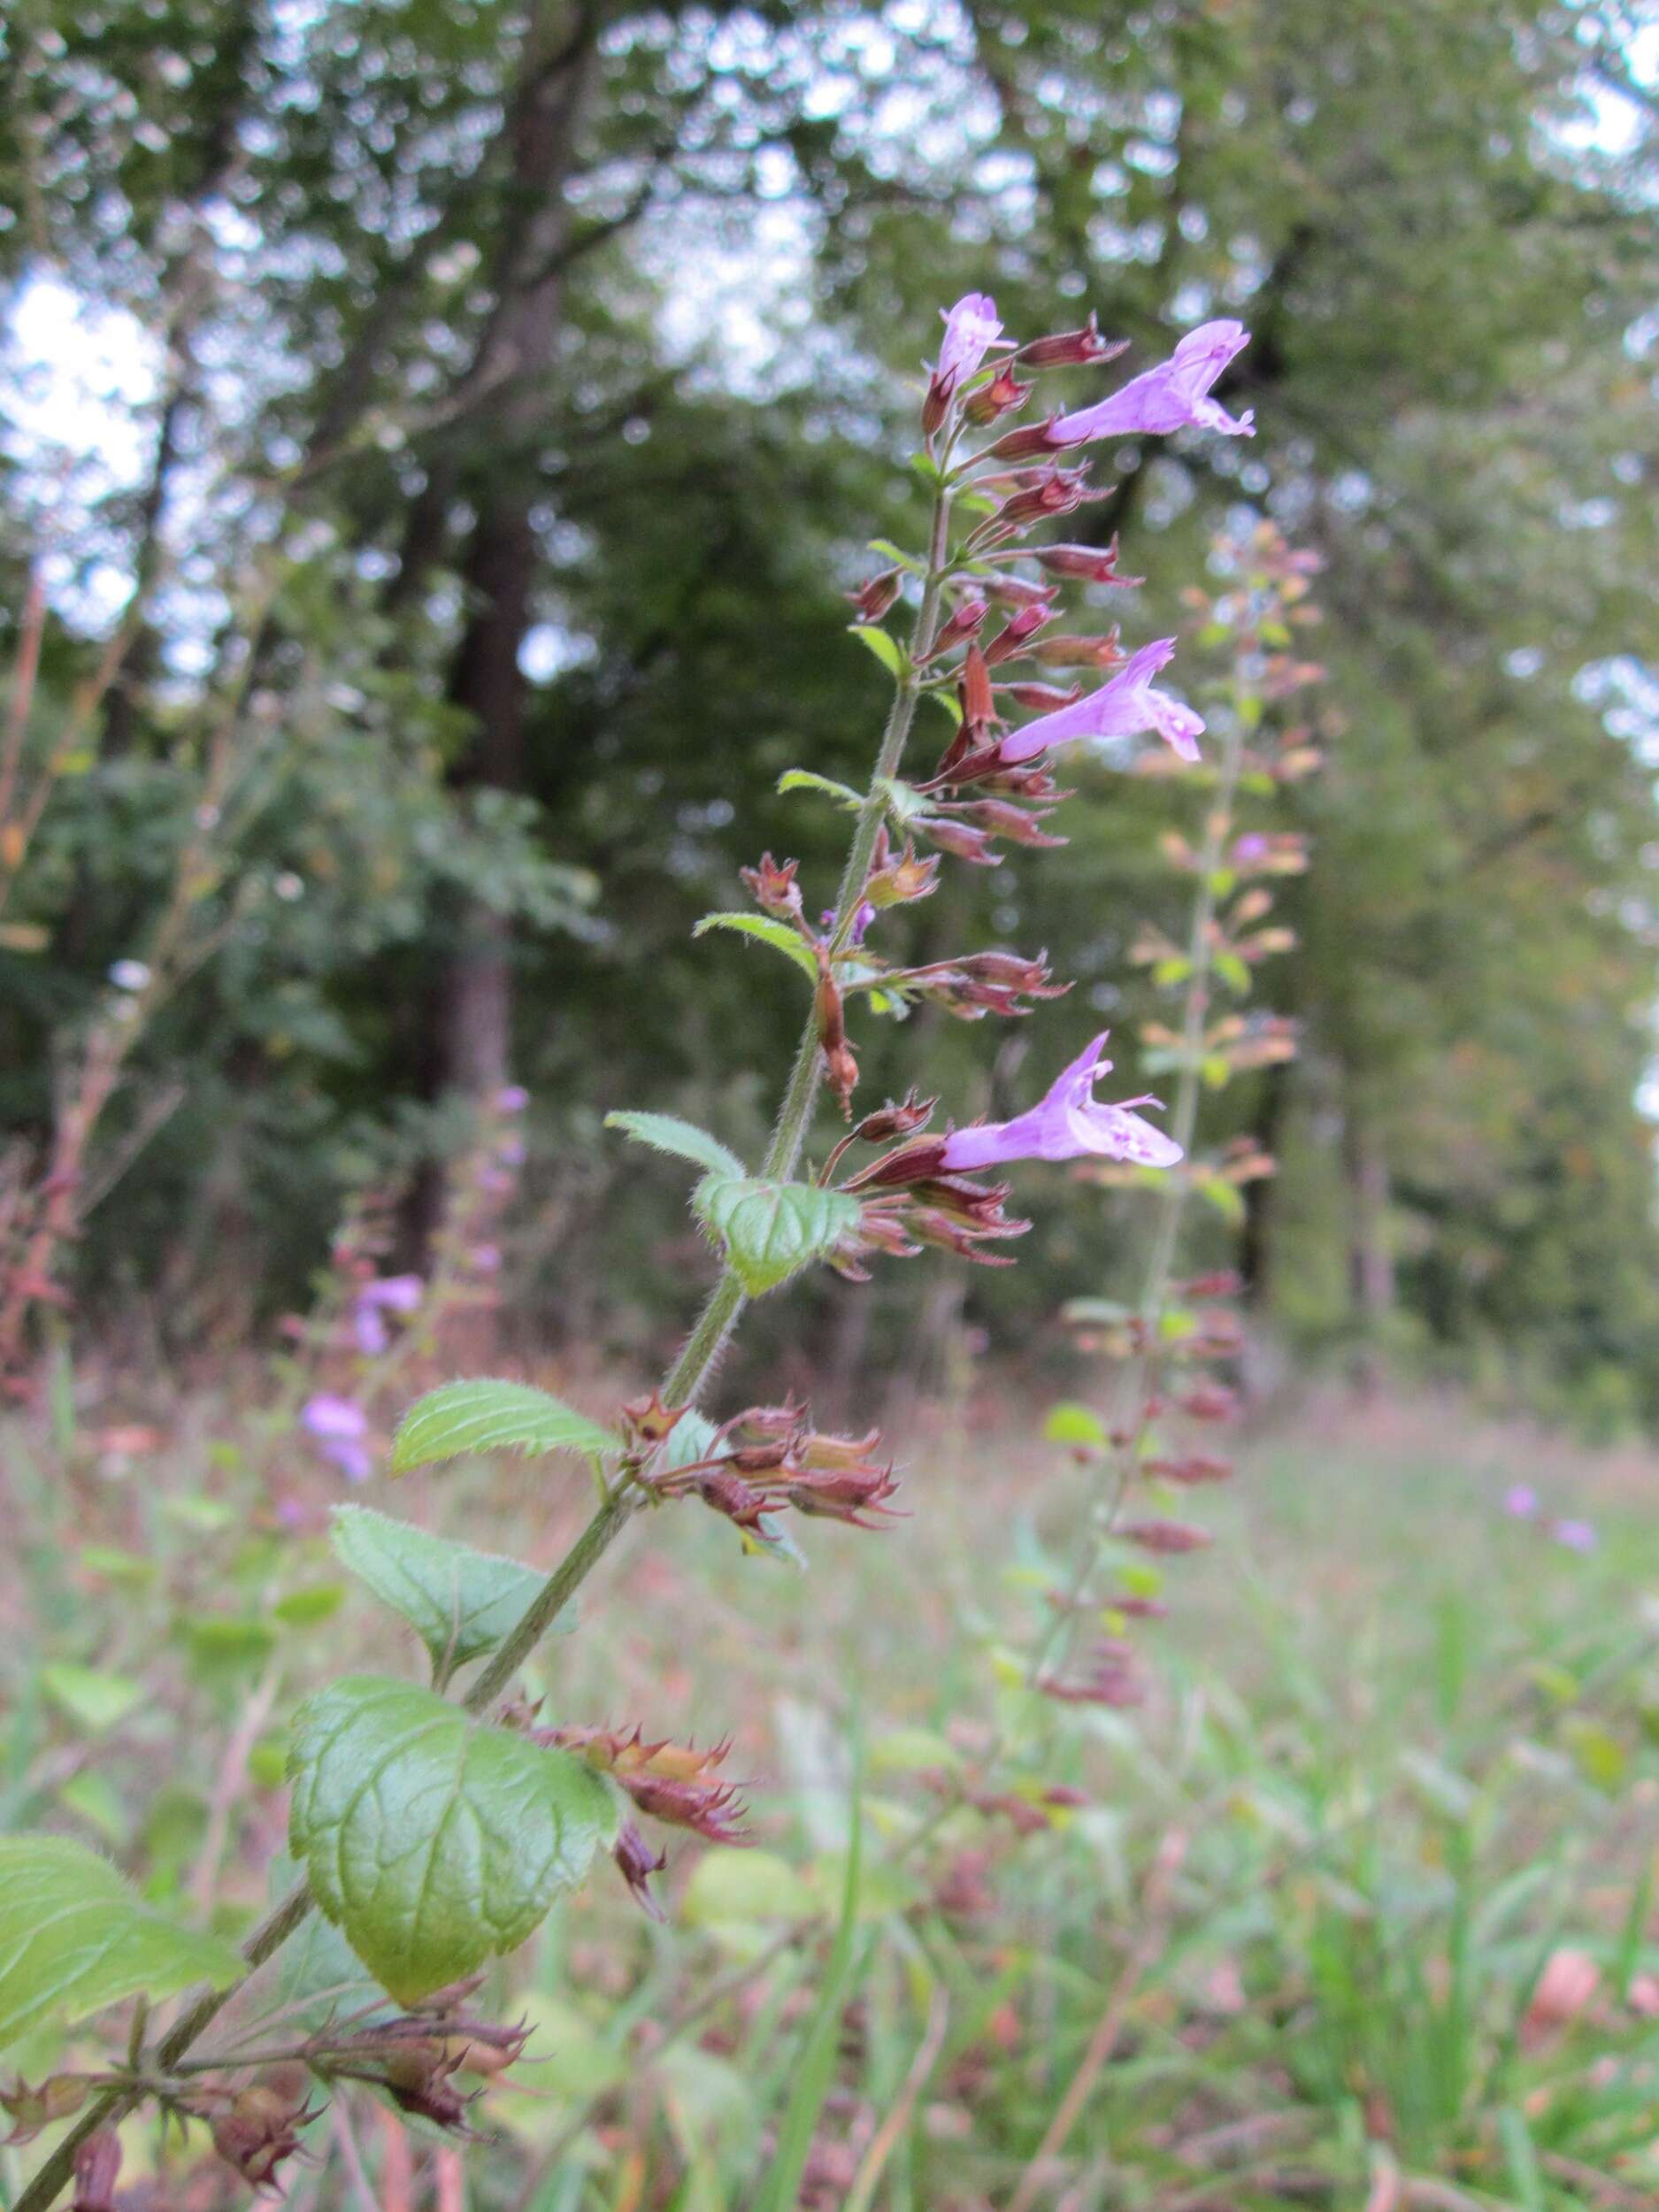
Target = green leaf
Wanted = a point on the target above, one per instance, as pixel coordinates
(885, 550)
(666, 1132)
(887, 649)
(229, 1639)
(1070, 1424)
(74, 1938)
(693, 1437)
(117, 1566)
(804, 779)
(770, 1231)
(493, 1417)
(94, 1798)
(903, 801)
(460, 1603)
(92, 1700)
(729, 1886)
(913, 1750)
(305, 1608)
(1233, 972)
(778, 935)
(434, 1842)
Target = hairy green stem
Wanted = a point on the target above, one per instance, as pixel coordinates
(681, 1386)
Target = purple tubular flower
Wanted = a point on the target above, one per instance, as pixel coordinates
(1520, 1502)
(970, 330)
(391, 1294)
(1122, 707)
(339, 1426)
(513, 1098)
(1573, 1535)
(1065, 1126)
(1172, 396)
(327, 1417)
(862, 920)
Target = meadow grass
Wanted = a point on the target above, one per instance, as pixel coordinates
(1356, 1909)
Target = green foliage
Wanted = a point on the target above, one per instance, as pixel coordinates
(435, 1842)
(815, 2070)
(778, 935)
(463, 1418)
(460, 1603)
(74, 1938)
(770, 1231)
(665, 1133)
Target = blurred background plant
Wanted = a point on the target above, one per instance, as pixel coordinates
(435, 422)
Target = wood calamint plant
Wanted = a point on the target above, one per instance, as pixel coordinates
(434, 1826)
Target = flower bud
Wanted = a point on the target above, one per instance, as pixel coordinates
(1189, 1467)
(958, 838)
(840, 1065)
(967, 616)
(892, 1121)
(1095, 564)
(97, 2163)
(259, 2130)
(637, 1864)
(1028, 442)
(1080, 652)
(1070, 348)
(1000, 396)
(1044, 696)
(876, 598)
(1054, 491)
(978, 705)
(33, 2109)
(1165, 1536)
(773, 887)
(902, 880)
(1010, 640)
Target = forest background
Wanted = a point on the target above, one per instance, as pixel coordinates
(444, 434)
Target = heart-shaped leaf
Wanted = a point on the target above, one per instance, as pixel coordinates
(770, 1231)
(433, 1841)
(461, 1603)
(666, 1132)
(493, 1417)
(74, 1938)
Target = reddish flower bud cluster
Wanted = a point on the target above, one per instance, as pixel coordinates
(1108, 1677)
(908, 1198)
(768, 1459)
(259, 2130)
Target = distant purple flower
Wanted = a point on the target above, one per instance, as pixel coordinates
(1573, 1535)
(1520, 1502)
(1172, 397)
(339, 1426)
(862, 920)
(1122, 707)
(391, 1294)
(513, 1098)
(511, 1151)
(1248, 850)
(970, 330)
(1066, 1124)
(486, 1258)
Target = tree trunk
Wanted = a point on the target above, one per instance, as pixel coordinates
(471, 1015)
(1370, 1262)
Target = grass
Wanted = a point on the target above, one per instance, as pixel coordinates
(1357, 1909)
